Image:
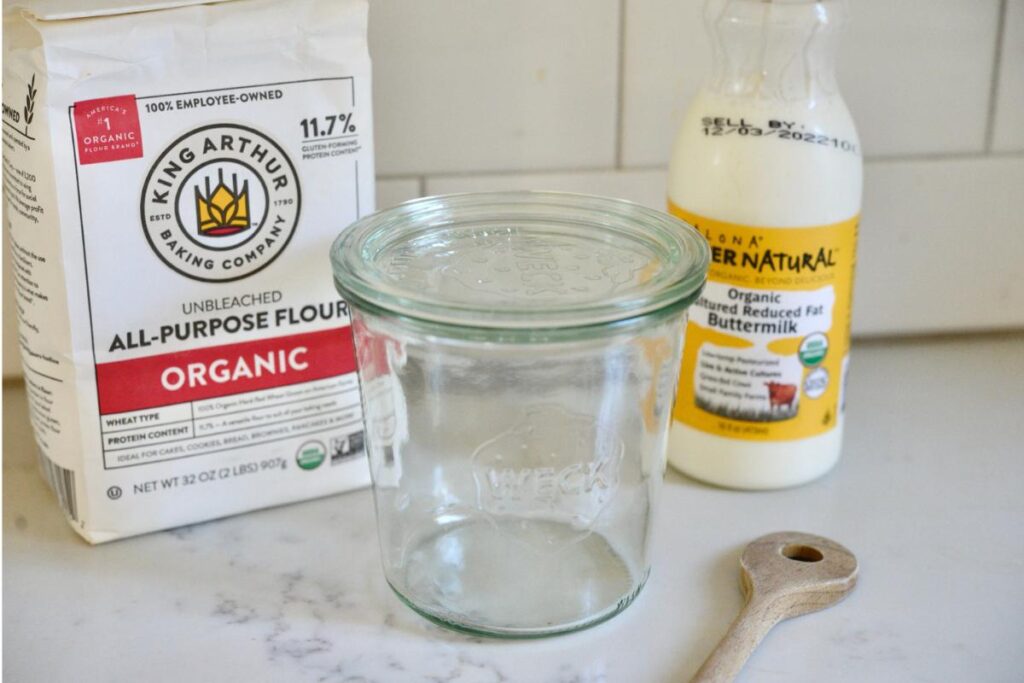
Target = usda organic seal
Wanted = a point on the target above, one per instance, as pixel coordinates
(813, 349)
(220, 203)
(311, 455)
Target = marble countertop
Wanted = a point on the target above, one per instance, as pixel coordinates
(929, 495)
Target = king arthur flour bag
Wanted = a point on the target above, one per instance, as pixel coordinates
(174, 175)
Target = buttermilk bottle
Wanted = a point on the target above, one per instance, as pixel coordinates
(767, 165)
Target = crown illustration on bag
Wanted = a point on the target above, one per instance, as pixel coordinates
(224, 210)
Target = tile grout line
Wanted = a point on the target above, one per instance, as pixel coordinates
(397, 177)
(997, 61)
(620, 86)
(423, 178)
(421, 185)
(942, 156)
(562, 170)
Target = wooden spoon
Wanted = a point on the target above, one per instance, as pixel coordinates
(783, 575)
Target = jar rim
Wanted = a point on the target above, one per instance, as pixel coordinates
(520, 260)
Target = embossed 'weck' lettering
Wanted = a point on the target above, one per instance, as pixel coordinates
(546, 483)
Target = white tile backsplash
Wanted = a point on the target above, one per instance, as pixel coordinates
(666, 57)
(492, 86)
(1009, 114)
(474, 96)
(393, 191)
(941, 244)
(643, 187)
(915, 73)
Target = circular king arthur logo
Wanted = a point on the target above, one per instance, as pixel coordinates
(220, 203)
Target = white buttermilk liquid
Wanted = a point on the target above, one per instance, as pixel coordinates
(770, 183)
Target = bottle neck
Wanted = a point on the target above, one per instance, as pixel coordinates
(775, 50)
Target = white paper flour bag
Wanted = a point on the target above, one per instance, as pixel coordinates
(174, 175)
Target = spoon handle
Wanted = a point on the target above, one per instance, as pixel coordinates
(747, 630)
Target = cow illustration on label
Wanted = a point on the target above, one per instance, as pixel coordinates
(781, 396)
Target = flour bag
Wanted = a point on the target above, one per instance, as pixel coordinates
(174, 174)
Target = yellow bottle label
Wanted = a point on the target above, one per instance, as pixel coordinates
(767, 342)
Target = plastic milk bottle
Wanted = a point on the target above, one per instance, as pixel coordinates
(767, 165)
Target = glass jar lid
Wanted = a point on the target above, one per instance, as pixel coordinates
(520, 260)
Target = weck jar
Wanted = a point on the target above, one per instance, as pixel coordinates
(518, 357)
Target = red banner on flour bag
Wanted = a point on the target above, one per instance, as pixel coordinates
(215, 371)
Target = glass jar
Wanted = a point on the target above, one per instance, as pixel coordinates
(517, 355)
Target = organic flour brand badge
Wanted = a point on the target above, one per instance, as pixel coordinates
(107, 129)
(221, 203)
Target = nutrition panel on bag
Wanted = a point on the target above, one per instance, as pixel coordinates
(134, 434)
